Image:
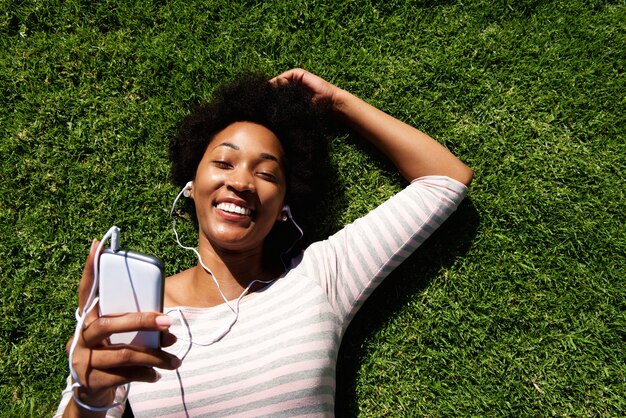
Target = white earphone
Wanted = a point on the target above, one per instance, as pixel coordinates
(286, 210)
(187, 189)
(285, 213)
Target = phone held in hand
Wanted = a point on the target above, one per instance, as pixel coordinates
(131, 282)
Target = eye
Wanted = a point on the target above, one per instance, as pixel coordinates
(268, 176)
(222, 164)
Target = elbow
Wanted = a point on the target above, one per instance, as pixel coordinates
(464, 175)
(469, 176)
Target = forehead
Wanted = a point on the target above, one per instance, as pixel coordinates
(248, 137)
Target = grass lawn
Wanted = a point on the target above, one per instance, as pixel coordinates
(516, 307)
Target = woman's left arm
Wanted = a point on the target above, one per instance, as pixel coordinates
(413, 152)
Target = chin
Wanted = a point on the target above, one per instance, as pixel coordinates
(232, 239)
(232, 243)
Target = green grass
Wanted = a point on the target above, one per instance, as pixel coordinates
(516, 307)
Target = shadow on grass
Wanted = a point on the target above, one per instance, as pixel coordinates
(451, 241)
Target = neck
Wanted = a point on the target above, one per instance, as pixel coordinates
(233, 270)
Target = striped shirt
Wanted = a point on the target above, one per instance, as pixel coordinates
(279, 358)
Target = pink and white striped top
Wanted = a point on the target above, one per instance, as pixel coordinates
(279, 359)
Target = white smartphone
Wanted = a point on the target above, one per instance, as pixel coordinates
(131, 282)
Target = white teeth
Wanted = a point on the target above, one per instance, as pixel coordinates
(231, 207)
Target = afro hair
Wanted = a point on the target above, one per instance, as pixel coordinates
(303, 127)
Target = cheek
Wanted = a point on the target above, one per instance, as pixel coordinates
(207, 182)
(275, 200)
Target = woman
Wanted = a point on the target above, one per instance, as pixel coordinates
(273, 351)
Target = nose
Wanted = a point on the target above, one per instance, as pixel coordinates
(241, 180)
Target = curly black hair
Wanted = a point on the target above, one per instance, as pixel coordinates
(304, 128)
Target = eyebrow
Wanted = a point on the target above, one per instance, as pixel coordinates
(263, 155)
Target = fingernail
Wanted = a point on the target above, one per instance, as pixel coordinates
(164, 321)
(175, 362)
(157, 376)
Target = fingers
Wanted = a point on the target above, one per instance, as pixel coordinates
(98, 387)
(101, 328)
(113, 359)
(100, 380)
(111, 366)
(98, 383)
(321, 89)
(167, 339)
(101, 367)
(125, 356)
(86, 281)
(134, 374)
(293, 74)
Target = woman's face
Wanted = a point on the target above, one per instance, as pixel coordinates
(239, 188)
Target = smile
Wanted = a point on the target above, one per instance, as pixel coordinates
(232, 208)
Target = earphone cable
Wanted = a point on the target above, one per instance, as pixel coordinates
(208, 270)
(90, 304)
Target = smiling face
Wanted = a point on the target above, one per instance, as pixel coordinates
(239, 188)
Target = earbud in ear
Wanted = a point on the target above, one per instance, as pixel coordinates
(285, 213)
(187, 189)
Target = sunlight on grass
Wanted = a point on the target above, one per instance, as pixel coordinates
(515, 308)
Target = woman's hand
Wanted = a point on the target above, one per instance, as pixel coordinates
(102, 367)
(320, 88)
(414, 153)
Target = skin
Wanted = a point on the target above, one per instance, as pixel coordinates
(101, 367)
(234, 169)
(243, 165)
(413, 152)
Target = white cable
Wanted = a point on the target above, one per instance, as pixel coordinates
(235, 309)
(219, 335)
(90, 304)
(208, 270)
(286, 252)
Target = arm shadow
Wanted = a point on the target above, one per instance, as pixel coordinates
(451, 241)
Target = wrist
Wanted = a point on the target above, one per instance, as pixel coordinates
(94, 398)
(75, 410)
(340, 100)
(93, 404)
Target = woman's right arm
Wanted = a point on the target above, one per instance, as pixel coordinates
(413, 152)
(102, 367)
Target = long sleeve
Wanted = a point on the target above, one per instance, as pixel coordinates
(280, 357)
(353, 262)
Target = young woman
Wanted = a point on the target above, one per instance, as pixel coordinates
(243, 335)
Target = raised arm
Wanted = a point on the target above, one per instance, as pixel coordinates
(414, 153)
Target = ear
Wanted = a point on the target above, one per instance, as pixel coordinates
(188, 190)
(284, 213)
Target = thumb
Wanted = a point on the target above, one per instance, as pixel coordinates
(86, 281)
(295, 74)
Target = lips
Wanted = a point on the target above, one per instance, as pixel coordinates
(233, 208)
